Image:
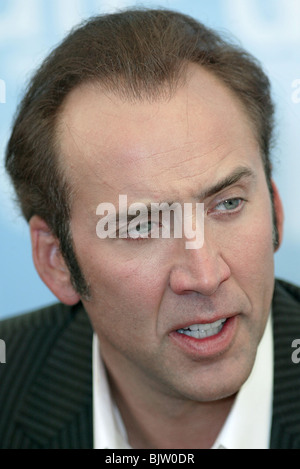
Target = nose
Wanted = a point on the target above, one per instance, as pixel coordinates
(198, 270)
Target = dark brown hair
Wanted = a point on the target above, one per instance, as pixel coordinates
(139, 54)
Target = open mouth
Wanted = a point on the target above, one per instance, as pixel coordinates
(209, 340)
(202, 331)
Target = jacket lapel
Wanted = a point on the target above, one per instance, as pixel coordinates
(286, 403)
(57, 409)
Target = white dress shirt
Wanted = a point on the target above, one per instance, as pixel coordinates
(247, 426)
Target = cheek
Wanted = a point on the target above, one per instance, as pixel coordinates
(252, 267)
(256, 248)
(247, 243)
(132, 283)
(126, 299)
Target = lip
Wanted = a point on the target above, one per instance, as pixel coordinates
(209, 347)
(184, 325)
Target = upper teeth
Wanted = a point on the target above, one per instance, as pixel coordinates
(200, 331)
(205, 327)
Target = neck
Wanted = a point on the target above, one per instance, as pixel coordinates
(161, 421)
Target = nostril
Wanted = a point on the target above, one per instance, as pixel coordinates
(204, 278)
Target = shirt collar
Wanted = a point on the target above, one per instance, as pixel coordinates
(240, 431)
(109, 431)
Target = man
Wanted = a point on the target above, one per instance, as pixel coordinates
(150, 105)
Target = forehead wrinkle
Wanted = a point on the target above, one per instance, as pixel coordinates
(158, 155)
(190, 160)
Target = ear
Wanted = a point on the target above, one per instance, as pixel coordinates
(279, 212)
(49, 262)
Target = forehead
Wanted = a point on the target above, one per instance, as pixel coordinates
(145, 148)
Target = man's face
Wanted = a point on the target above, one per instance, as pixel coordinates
(144, 291)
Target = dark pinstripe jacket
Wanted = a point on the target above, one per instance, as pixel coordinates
(46, 383)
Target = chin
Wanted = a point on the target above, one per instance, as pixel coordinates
(220, 383)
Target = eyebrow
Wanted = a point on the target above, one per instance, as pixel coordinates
(240, 173)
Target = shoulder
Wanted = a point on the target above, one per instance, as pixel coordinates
(286, 315)
(286, 299)
(41, 329)
(36, 332)
(289, 289)
(52, 320)
(47, 317)
(46, 379)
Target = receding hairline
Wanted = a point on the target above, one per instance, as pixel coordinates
(164, 94)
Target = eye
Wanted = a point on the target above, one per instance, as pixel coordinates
(229, 206)
(141, 230)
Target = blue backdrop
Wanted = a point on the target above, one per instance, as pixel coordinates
(29, 29)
